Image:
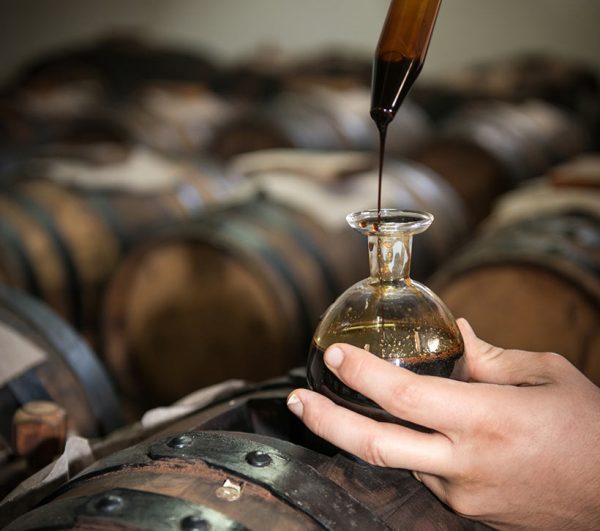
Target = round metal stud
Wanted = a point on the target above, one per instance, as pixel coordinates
(194, 523)
(181, 441)
(258, 458)
(109, 504)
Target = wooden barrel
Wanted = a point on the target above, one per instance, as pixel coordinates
(288, 121)
(112, 68)
(527, 138)
(15, 130)
(475, 174)
(564, 83)
(61, 237)
(333, 67)
(533, 284)
(243, 462)
(61, 98)
(319, 117)
(177, 118)
(330, 185)
(159, 96)
(238, 293)
(23, 133)
(486, 148)
(43, 359)
(254, 78)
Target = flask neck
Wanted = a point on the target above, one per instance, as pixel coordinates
(389, 258)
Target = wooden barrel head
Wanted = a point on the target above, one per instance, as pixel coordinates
(193, 316)
(474, 174)
(532, 285)
(243, 134)
(52, 363)
(233, 294)
(527, 308)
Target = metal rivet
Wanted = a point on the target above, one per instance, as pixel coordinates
(258, 458)
(109, 504)
(194, 523)
(182, 441)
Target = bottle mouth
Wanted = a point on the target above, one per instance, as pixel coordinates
(389, 221)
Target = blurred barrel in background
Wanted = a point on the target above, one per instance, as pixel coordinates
(234, 294)
(566, 84)
(238, 292)
(318, 117)
(62, 236)
(532, 279)
(175, 118)
(241, 462)
(174, 101)
(485, 149)
(14, 128)
(161, 96)
(268, 71)
(44, 359)
(109, 69)
(330, 67)
(331, 185)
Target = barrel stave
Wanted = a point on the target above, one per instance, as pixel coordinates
(532, 284)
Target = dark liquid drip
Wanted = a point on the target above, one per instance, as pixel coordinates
(382, 133)
(392, 80)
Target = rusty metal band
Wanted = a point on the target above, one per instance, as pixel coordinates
(282, 473)
(129, 509)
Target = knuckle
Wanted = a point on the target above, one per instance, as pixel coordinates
(465, 473)
(552, 365)
(405, 397)
(353, 371)
(552, 359)
(372, 451)
(489, 430)
(461, 502)
(317, 420)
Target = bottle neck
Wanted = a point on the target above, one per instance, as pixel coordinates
(389, 258)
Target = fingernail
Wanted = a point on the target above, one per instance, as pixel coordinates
(416, 476)
(334, 357)
(295, 405)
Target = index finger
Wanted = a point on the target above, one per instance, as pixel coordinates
(437, 403)
(378, 443)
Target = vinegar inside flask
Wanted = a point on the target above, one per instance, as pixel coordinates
(398, 336)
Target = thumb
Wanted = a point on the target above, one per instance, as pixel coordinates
(486, 363)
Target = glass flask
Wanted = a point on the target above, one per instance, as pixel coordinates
(387, 314)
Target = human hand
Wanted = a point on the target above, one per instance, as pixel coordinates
(515, 439)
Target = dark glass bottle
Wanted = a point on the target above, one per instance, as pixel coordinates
(400, 54)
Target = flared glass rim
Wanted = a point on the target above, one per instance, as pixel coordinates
(390, 221)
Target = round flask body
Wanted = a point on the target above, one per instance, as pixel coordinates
(388, 314)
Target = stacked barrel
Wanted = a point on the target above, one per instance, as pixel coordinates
(530, 280)
(182, 223)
